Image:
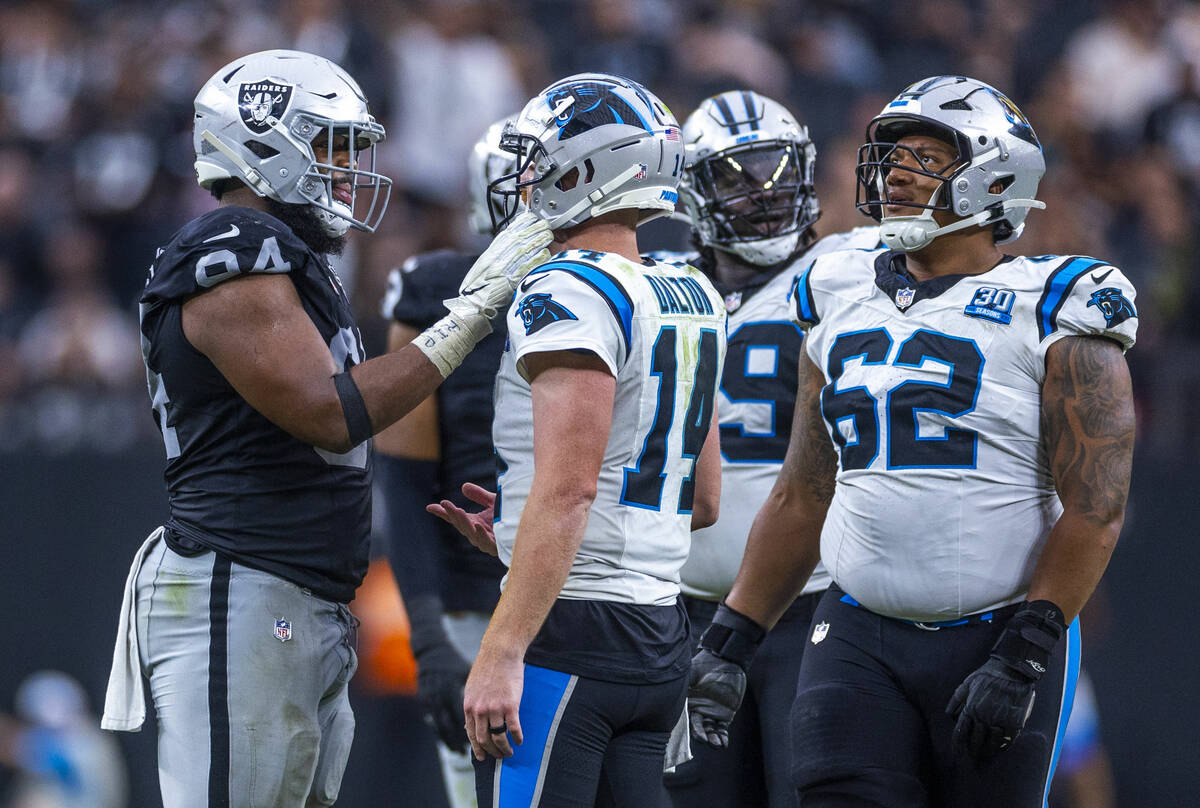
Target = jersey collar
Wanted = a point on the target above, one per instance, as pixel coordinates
(893, 279)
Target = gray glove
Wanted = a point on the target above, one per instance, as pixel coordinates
(717, 680)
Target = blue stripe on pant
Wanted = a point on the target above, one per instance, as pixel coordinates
(1068, 699)
(519, 778)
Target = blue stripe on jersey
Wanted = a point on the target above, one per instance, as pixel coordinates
(614, 294)
(1068, 699)
(543, 698)
(1058, 286)
(806, 307)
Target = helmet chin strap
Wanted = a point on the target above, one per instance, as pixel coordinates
(912, 233)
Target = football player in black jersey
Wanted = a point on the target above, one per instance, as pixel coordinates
(236, 608)
(449, 588)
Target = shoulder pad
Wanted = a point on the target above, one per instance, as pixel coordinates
(1086, 297)
(226, 243)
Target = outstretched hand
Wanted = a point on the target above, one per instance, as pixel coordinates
(477, 527)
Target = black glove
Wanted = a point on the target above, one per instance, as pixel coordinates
(994, 702)
(717, 680)
(441, 672)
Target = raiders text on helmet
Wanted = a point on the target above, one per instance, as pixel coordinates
(257, 119)
(587, 145)
(748, 185)
(993, 181)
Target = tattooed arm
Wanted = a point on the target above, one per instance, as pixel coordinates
(785, 540)
(1087, 426)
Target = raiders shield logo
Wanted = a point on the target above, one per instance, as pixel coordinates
(819, 632)
(260, 100)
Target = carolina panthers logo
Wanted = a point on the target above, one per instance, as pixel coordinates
(595, 104)
(1020, 124)
(538, 311)
(259, 100)
(1115, 307)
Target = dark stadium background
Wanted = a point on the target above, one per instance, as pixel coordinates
(95, 153)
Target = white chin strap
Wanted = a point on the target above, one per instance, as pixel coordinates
(912, 233)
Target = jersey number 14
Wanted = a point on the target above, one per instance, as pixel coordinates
(644, 482)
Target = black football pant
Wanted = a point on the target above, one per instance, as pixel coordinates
(755, 769)
(587, 743)
(869, 722)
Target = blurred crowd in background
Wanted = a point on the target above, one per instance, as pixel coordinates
(96, 154)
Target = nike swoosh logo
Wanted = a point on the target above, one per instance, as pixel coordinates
(233, 231)
(1100, 278)
(529, 282)
(467, 292)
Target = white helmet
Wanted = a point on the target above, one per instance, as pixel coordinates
(995, 143)
(487, 164)
(590, 144)
(748, 185)
(256, 120)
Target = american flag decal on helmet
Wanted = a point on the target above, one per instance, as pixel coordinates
(672, 133)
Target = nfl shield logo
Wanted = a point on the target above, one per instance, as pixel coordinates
(641, 174)
(904, 297)
(260, 100)
(733, 302)
(819, 632)
(283, 630)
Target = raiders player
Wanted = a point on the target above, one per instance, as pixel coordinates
(960, 460)
(604, 406)
(449, 588)
(236, 608)
(748, 190)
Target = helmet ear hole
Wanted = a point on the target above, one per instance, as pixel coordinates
(568, 181)
(1001, 184)
(591, 171)
(260, 149)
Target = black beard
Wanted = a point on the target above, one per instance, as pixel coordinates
(303, 221)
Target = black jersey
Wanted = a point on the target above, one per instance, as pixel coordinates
(236, 482)
(464, 400)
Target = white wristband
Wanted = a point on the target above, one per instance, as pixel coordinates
(448, 341)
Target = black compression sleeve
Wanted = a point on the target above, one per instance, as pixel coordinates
(358, 422)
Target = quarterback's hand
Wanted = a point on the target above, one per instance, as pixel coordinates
(994, 702)
(715, 690)
(441, 674)
(477, 527)
(488, 286)
(491, 702)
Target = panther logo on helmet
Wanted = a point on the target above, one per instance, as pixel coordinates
(539, 310)
(260, 100)
(1115, 307)
(1021, 127)
(593, 104)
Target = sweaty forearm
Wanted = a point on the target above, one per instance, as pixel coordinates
(1075, 556)
(393, 384)
(783, 549)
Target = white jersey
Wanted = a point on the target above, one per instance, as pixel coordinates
(758, 396)
(660, 329)
(944, 498)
